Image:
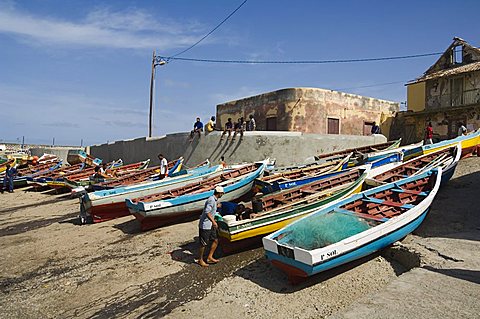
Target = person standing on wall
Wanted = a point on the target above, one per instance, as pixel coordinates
(429, 134)
(375, 128)
(163, 166)
(208, 228)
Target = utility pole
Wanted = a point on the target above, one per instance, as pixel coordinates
(155, 61)
(151, 96)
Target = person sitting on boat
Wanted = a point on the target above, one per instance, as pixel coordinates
(208, 228)
(10, 174)
(197, 128)
(231, 208)
(163, 166)
(98, 175)
(223, 163)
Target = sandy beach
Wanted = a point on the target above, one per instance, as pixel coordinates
(52, 267)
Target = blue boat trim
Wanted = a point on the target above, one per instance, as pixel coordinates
(353, 254)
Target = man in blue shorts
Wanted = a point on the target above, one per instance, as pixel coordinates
(208, 228)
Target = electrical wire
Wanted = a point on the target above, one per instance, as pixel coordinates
(369, 86)
(412, 56)
(213, 30)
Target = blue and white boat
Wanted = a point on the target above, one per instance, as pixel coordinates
(354, 227)
(108, 204)
(161, 208)
(446, 158)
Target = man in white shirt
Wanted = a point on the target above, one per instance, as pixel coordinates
(462, 130)
(163, 166)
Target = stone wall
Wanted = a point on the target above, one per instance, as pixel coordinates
(286, 147)
(308, 109)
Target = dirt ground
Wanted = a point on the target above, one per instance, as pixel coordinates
(52, 267)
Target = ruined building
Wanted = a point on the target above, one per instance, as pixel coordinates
(447, 94)
(311, 110)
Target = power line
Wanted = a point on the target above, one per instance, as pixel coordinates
(369, 86)
(301, 61)
(223, 21)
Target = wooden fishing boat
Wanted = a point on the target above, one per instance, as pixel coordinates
(276, 210)
(360, 150)
(353, 227)
(446, 158)
(41, 180)
(285, 179)
(32, 171)
(138, 177)
(158, 209)
(469, 142)
(408, 151)
(47, 158)
(85, 178)
(109, 204)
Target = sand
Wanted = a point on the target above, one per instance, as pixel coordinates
(52, 267)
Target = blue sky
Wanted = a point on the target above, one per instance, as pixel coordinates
(80, 69)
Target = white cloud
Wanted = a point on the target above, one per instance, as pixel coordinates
(128, 29)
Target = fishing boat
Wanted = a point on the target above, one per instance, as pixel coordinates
(21, 179)
(469, 142)
(109, 204)
(276, 210)
(39, 180)
(408, 152)
(161, 208)
(353, 227)
(360, 150)
(85, 179)
(299, 176)
(446, 158)
(138, 177)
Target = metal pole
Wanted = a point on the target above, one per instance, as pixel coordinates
(151, 96)
(81, 142)
(23, 141)
(53, 142)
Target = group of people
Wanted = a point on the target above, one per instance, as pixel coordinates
(237, 128)
(462, 130)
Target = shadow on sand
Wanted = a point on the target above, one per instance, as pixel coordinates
(455, 211)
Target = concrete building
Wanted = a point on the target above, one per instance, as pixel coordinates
(311, 110)
(447, 94)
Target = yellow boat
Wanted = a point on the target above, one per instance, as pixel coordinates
(470, 143)
(281, 208)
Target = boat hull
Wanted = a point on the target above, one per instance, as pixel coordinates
(277, 221)
(158, 217)
(297, 270)
(109, 204)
